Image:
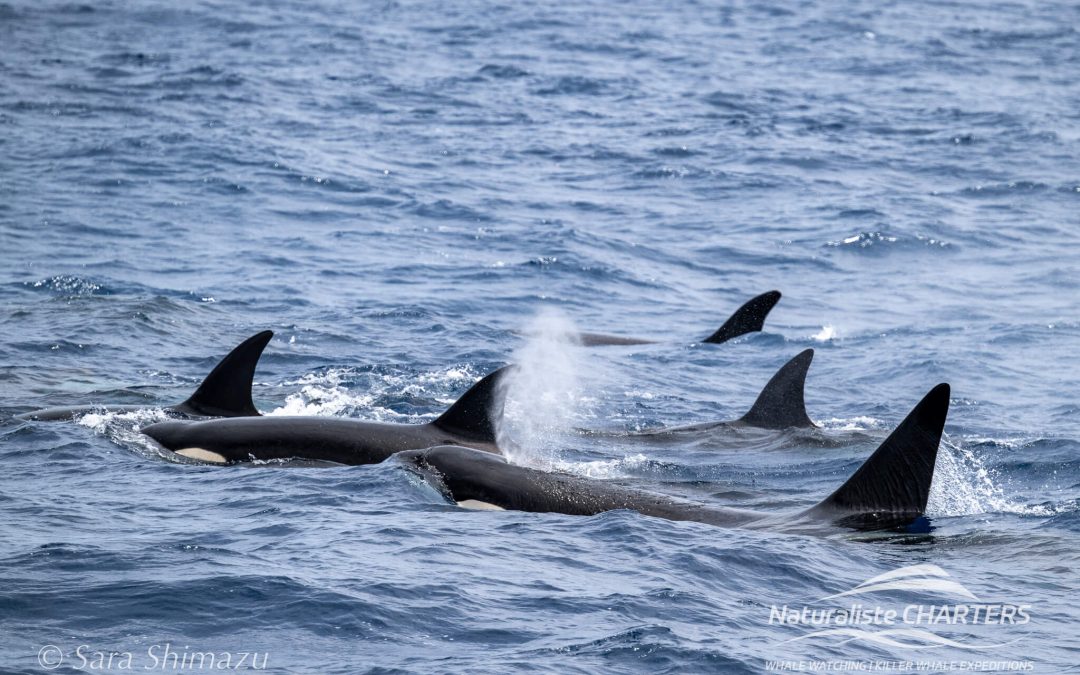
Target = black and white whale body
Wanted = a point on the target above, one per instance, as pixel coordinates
(226, 391)
(749, 318)
(888, 492)
(780, 405)
(469, 422)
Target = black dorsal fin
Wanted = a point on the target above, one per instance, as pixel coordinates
(895, 481)
(781, 404)
(226, 391)
(476, 413)
(749, 318)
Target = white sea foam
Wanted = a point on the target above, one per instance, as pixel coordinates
(124, 428)
(601, 468)
(322, 394)
(327, 392)
(860, 423)
(964, 486)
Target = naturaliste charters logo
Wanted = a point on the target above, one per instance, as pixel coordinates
(849, 617)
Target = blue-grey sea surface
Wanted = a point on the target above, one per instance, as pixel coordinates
(401, 190)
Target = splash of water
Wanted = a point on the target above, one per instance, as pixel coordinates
(602, 468)
(963, 486)
(322, 394)
(543, 394)
(827, 332)
(329, 393)
(124, 429)
(858, 423)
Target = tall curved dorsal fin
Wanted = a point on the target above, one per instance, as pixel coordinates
(781, 404)
(475, 414)
(895, 480)
(226, 391)
(749, 318)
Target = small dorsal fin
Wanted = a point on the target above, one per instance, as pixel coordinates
(226, 391)
(749, 318)
(476, 413)
(895, 480)
(781, 404)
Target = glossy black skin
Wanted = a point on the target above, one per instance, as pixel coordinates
(470, 421)
(889, 491)
(465, 474)
(331, 439)
(749, 318)
(780, 405)
(225, 392)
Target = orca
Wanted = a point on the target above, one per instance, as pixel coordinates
(780, 405)
(888, 492)
(469, 422)
(750, 318)
(226, 391)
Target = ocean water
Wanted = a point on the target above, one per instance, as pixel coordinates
(400, 189)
